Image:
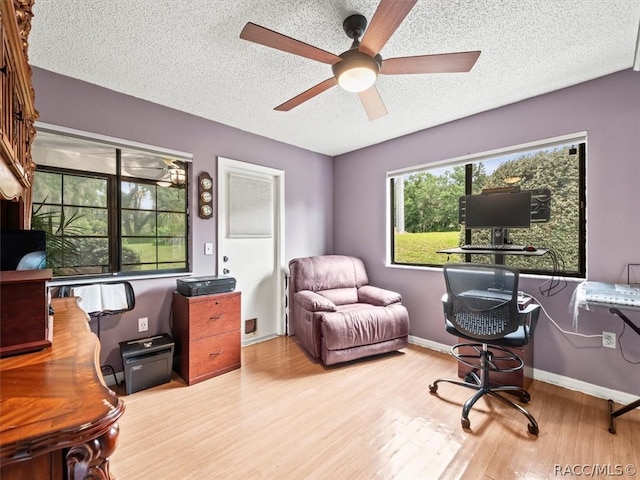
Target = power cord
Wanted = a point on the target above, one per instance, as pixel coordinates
(583, 335)
(106, 369)
(555, 284)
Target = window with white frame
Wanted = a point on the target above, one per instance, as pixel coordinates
(425, 202)
(108, 207)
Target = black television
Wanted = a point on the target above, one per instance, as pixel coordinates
(23, 250)
(496, 210)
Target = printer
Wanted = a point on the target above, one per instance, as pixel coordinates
(194, 286)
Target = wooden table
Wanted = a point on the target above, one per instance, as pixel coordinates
(57, 417)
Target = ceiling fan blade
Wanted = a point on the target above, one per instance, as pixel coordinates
(307, 95)
(388, 17)
(372, 103)
(439, 63)
(269, 38)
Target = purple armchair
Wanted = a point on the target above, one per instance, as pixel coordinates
(337, 316)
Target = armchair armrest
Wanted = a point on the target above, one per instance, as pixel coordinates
(377, 296)
(313, 302)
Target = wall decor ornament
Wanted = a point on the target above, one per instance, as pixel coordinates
(205, 195)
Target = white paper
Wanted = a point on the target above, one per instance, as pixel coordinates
(114, 297)
(100, 298)
(90, 298)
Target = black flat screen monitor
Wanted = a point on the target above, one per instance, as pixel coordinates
(22, 250)
(497, 210)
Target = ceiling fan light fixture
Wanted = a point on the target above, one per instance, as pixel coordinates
(178, 176)
(357, 71)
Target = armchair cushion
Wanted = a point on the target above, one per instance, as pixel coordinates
(341, 296)
(313, 302)
(377, 296)
(363, 326)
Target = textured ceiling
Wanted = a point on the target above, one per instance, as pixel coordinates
(188, 55)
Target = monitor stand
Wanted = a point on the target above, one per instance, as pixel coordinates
(499, 236)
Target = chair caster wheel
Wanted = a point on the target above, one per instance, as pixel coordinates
(433, 388)
(533, 429)
(525, 397)
(469, 378)
(466, 424)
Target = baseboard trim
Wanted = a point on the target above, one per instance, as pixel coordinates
(251, 341)
(547, 377)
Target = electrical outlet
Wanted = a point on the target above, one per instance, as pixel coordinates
(608, 339)
(143, 324)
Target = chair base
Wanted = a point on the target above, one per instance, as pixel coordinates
(482, 387)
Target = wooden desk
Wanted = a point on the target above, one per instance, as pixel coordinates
(57, 417)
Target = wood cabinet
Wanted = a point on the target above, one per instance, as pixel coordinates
(24, 311)
(58, 420)
(17, 115)
(207, 335)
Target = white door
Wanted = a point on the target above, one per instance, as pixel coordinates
(250, 241)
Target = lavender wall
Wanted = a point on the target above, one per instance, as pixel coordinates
(308, 181)
(608, 109)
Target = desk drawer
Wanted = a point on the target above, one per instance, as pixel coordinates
(214, 355)
(213, 317)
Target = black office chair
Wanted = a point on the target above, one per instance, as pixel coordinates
(481, 305)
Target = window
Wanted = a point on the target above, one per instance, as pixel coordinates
(424, 207)
(109, 208)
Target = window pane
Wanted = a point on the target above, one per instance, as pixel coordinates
(46, 217)
(91, 252)
(139, 250)
(172, 199)
(139, 196)
(47, 187)
(86, 221)
(138, 223)
(66, 152)
(172, 224)
(90, 192)
(425, 215)
(79, 210)
(558, 171)
(172, 249)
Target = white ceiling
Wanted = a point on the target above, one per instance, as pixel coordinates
(188, 55)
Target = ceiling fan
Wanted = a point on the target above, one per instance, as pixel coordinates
(357, 69)
(172, 173)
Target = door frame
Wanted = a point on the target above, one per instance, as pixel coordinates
(279, 230)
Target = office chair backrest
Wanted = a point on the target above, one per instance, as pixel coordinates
(482, 300)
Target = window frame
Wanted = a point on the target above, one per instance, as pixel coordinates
(580, 141)
(114, 202)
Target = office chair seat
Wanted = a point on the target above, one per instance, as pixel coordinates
(481, 306)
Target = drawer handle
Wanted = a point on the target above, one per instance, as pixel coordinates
(214, 317)
(213, 354)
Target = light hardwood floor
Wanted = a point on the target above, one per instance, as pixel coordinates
(281, 416)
